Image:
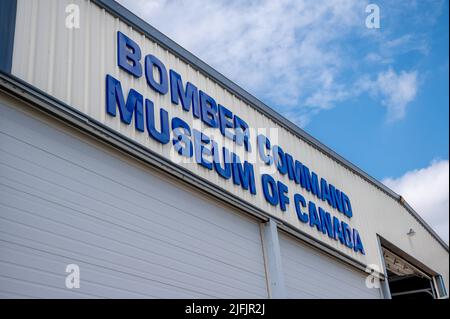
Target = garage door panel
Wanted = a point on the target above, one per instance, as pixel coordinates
(117, 264)
(305, 292)
(312, 274)
(91, 273)
(16, 287)
(309, 281)
(6, 295)
(320, 288)
(135, 260)
(99, 272)
(67, 200)
(139, 247)
(320, 274)
(205, 263)
(37, 276)
(141, 285)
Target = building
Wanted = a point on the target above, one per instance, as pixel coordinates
(133, 168)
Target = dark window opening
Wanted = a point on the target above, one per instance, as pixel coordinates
(405, 280)
(410, 287)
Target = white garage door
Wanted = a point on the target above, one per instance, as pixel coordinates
(133, 234)
(309, 273)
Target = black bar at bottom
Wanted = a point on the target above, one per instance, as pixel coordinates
(239, 308)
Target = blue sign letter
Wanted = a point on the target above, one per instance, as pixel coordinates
(161, 86)
(128, 55)
(114, 96)
(209, 109)
(163, 137)
(188, 97)
(270, 189)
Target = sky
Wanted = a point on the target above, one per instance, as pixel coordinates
(377, 96)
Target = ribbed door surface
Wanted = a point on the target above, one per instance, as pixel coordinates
(311, 274)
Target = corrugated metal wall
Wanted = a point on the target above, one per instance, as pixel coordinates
(71, 64)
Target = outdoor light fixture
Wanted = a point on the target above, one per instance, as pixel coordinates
(411, 232)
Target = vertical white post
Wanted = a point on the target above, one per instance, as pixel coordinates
(385, 291)
(271, 246)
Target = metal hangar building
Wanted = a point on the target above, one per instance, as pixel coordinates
(129, 162)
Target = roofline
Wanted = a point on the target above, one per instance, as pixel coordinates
(123, 13)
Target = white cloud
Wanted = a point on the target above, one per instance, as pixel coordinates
(299, 56)
(389, 49)
(396, 90)
(289, 52)
(427, 191)
(406, 43)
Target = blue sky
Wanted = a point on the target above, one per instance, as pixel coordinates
(379, 97)
(391, 148)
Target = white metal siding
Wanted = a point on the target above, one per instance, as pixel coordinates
(64, 200)
(308, 273)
